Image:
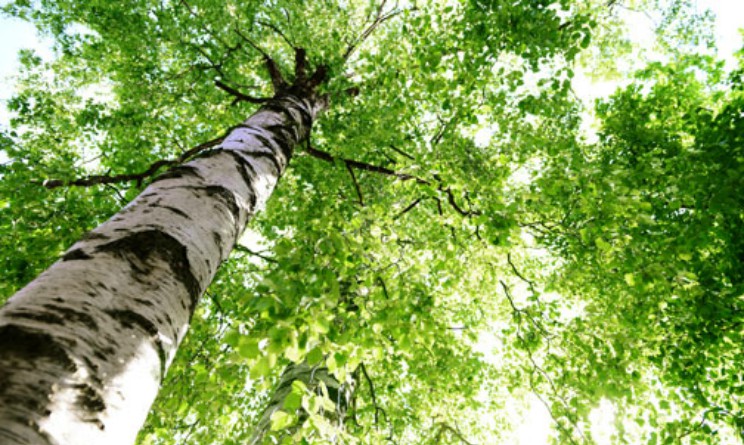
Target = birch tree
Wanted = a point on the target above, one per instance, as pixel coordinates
(132, 284)
(86, 344)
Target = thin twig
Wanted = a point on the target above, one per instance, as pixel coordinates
(407, 209)
(403, 153)
(327, 157)
(278, 31)
(530, 283)
(242, 248)
(378, 409)
(378, 20)
(356, 183)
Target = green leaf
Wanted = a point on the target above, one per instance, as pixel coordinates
(281, 420)
(314, 356)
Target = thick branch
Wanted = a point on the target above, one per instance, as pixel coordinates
(238, 95)
(139, 177)
(277, 80)
(300, 65)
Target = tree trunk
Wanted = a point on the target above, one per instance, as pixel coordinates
(312, 377)
(84, 347)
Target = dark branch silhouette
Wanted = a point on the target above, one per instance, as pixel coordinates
(239, 97)
(139, 177)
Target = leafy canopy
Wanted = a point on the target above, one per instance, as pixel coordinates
(447, 197)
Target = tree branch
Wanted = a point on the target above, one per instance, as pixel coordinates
(407, 209)
(401, 152)
(238, 95)
(277, 80)
(350, 163)
(380, 18)
(455, 432)
(530, 283)
(453, 203)
(378, 409)
(278, 31)
(356, 184)
(139, 177)
(242, 248)
(327, 157)
(300, 65)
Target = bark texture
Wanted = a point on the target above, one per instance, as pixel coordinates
(83, 348)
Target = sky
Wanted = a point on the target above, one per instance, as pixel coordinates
(16, 34)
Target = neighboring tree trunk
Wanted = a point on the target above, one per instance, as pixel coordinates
(84, 347)
(311, 377)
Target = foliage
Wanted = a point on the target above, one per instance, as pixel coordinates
(611, 273)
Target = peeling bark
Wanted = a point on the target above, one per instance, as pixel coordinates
(84, 347)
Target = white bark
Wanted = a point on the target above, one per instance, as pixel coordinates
(84, 347)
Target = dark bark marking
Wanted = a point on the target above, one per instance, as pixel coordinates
(77, 254)
(279, 108)
(94, 236)
(271, 158)
(72, 315)
(102, 285)
(130, 319)
(218, 241)
(227, 198)
(246, 170)
(274, 146)
(154, 243)
(307, 119)
(43, 317)
(181, 171)
(176, 211)
(93, 367)
(218, 191)
(144, 302)
(213, 152)
(284, 142)
(89, 398)
(30, 345)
